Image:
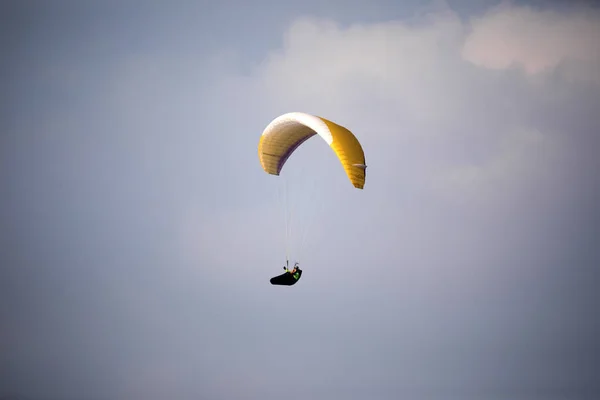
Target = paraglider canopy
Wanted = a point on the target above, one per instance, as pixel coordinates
(288, 131)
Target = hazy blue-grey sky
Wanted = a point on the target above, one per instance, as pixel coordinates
(138, 232)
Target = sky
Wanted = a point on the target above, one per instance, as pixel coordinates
(138, 231)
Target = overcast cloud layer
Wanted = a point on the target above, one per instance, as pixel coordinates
(138, 231)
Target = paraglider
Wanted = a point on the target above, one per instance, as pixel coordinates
(287, 133)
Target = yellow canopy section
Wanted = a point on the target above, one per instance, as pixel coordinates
(286, 132)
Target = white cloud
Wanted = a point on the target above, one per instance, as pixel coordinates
(536, 40)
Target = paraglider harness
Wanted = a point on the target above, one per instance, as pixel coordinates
(287, 278)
